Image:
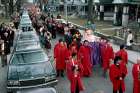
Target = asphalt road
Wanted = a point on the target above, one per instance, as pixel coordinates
(95, 84)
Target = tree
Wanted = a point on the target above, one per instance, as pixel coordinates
(90, 10)
(19, 2)
(42, 3)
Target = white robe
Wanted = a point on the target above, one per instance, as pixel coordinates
(89, 36)
(129, 37)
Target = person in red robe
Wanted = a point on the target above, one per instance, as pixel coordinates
(73, 60)
(85, 56)
(136, 77)
(117, 73)
(74, 75)
(59, 55)
(123, 54)
(107, 56)
(73, 49)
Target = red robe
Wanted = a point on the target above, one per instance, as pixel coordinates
(59, 54)
(115, 73)
(74, 47)
(136, 80)
(75, 79)
(69, 66)
(107, 54)
(84, 55)
(123, 54)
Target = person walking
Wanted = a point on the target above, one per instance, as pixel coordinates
(123, 54)
(117, 73)
(84, 54)
(76, 83)
(60, 50)
(136, 77)
(129, 40)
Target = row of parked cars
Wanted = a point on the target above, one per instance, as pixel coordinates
(29, 65)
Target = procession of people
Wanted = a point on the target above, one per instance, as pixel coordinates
(75, 54)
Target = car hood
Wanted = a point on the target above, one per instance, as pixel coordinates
(23, 72)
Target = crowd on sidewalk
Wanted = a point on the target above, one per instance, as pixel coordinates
(7, 35)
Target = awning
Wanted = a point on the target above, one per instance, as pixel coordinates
(96, 1)
(120, 1)
(134, 1)
(103, 1)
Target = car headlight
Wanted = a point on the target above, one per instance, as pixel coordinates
(13, 82)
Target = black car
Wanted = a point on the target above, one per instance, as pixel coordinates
(39, 90)
(25, 22)
(30, 69)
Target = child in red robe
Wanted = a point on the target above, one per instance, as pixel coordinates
(123, 54)
(74, 75)
(117, 73)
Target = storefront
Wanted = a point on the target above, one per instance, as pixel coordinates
(104, 9)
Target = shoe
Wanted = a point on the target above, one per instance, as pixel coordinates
(62, 75)
(57, 75)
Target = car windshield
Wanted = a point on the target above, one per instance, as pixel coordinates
(28, 46)
(29, 57)
(30, 71)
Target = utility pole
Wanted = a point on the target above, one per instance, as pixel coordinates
(90, 10)
(11, 7)
(65, 8)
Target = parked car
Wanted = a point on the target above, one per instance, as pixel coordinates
(27, 37)
(25, 22)
(39, 90)
(30, 69)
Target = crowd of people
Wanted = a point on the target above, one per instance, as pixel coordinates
(73, 55)
(7, 35)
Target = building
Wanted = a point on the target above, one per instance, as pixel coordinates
(119, 11)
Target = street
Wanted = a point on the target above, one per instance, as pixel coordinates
(116, 21)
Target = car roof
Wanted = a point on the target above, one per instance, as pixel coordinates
(27, 36)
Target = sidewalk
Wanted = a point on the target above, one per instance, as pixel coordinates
(132, 55)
